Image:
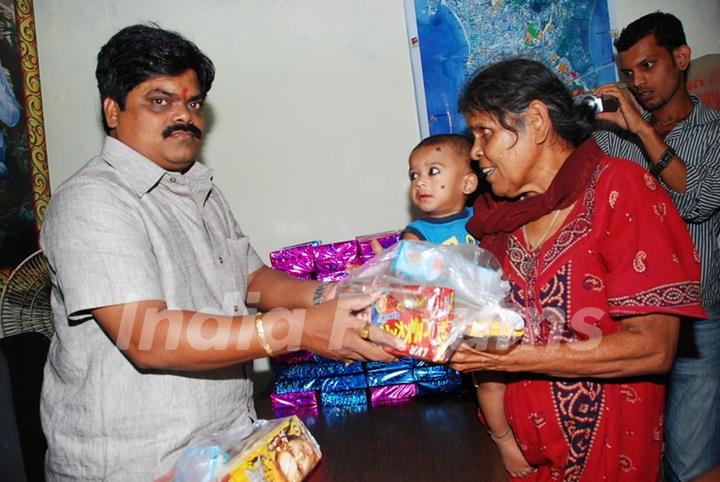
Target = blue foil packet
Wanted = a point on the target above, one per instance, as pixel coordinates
(389, 377)
(402, 363)
(315, 370)
(346, 398)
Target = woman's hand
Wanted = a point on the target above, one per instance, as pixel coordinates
(468, 359)
(645, 345)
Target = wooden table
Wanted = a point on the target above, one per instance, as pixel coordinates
(427, 439)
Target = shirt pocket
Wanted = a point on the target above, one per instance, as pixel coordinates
(237, 272)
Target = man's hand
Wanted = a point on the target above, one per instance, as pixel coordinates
(628, 116)
(332, 329)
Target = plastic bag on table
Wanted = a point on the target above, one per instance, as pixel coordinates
(434, 295)
(281, 450)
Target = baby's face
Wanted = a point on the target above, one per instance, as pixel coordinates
(438, 180)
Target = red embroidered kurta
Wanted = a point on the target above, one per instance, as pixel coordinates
(622, 251)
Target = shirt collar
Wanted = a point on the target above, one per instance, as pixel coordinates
(466, 212)
(700, 114)
(142, 175)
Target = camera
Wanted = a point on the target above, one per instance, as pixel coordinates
(605, 103)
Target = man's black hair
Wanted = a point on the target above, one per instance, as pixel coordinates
(139, 52)
(506, 88)
(666, 28)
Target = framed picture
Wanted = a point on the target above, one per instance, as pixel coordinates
(450, 40)
(24, 182)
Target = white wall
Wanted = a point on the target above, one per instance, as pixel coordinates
(700, 18)
(312, 110)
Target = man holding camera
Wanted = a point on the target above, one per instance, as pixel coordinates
(678, 139)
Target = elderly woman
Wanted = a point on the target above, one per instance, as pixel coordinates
(601, 266)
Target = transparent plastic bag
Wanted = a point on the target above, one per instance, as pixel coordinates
(410, 273)
(281, 450)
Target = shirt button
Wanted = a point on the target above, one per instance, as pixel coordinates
(220, 259)
(172, 179)
(235, 308)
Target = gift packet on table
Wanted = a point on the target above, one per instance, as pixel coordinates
(392, 394)
(281, 450)
(435, 296)
(371, 244)
(327, 369)
(326, 384)
(297, 260)
(293, 400)
(336, 257)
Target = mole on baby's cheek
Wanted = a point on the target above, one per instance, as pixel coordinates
(442, 187)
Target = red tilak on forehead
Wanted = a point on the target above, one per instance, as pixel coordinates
(184, 93)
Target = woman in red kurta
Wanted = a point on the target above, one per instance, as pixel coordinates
(602, 267)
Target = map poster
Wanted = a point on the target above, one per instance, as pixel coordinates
(450, 39)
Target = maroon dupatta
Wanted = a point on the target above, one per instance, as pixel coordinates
(495, 218)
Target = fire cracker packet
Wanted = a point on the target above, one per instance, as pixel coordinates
(420, 315)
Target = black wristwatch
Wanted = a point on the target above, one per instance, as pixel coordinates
(663, 162)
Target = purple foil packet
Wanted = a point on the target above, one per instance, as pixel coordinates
(334, 257)
(384, 240)
(302, 412)
(293, 400)
(295, 260)
(336, 276)
(293, 357)
(302, 276)
(393, 393)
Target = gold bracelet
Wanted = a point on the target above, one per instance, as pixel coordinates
(260, 329)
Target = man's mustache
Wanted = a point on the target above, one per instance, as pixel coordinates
(167, 132)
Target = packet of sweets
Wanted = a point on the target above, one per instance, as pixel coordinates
(420, 315)
(474, 276)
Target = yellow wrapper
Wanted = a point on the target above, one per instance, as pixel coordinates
(482, 328)
(492, 335)
(283, 451)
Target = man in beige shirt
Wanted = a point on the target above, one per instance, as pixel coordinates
(152, 279)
